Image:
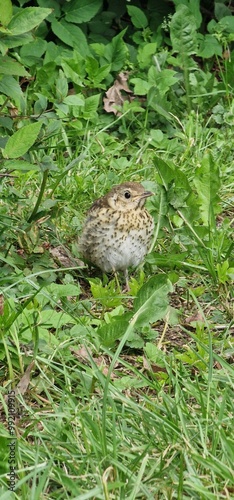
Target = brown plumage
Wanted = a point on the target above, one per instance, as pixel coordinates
(118, 229)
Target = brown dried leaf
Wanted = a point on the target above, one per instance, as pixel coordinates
(115, 97)
(25, 380)
(152, 367)
(62, 257)
(195, 317)
(81, 353)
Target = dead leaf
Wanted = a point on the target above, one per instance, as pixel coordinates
(194, 318)
(152, 367)
(62, 257)
(13, 111)
(82, 353)
(115, 97)
(23, 384)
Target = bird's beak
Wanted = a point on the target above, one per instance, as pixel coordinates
(146, 194)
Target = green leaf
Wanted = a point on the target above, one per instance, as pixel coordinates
(179, 190)
(61, 32)
(95, 73)
(27, 19)
(56, 319)
(194, 8)
(61, 86)
(207, 183)
(9, 66)
(74, 100)
(51, 4)
(109, 333)
(183, 31)
(103, 72)
(145, 54)
(221, 10)
(152, 302)
(57, 291)
(169, 260)
(22, 140)
(98, 48)
(74, 69)
(16, 41)
(41, 104)
(141, 87)
(105, 294)
(78, 38)
(82, 11)
(24, 166)
(154, 354)
(10, 87)
(162, 80)
(138, 18)
(156, 135)
(166, 172)
(209, 46)
(159, 103)
(5, 12)
(116, 52)
(226, 24)
(91, 105)
(34, 49)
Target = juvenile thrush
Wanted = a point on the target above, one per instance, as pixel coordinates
(118, 229)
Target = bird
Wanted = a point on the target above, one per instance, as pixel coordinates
(118, 230)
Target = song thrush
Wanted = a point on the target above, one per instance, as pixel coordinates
(118, 229)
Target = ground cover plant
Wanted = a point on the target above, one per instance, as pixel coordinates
(108, 394)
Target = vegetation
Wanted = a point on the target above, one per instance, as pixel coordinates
(118, 395)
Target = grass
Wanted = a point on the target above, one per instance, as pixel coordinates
(119, 421)
(121, 395)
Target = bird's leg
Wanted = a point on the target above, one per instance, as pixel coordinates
(126, 289)
(117, 282)
(126, 280)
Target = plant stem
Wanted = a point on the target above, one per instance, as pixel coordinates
(41, 192)
(187, 85)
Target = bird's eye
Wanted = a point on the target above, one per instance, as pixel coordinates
(127, 195)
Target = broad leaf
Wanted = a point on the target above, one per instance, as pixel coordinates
(152, 302)
(57, 290)
(78, 38)
(74, 71)
(166, 172)
(81, 11)
(138, 18)
(163, 80)
(116, 52)
(21, 165)
(9, 66)
(22, 140)
(91, 105)
(61, 86)
(145, 54)
(226, 24)
(5, 12)
(183, 31)
(209, 46)
(27, 19)
(10, 87)
(74, 100)
(141, 87)
(62, 32)
(109, 333)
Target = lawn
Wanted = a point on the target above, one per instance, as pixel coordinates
(107, 393)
